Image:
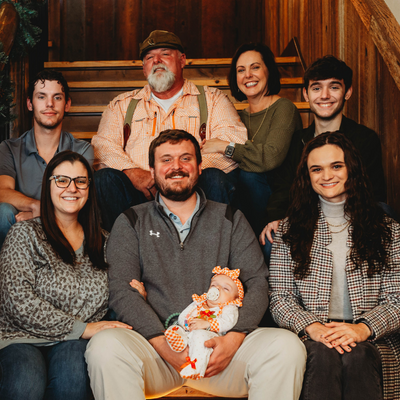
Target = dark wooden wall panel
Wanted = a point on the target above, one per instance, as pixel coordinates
(249, 22)
(127, 28)
(90, 30)
(189, 22)
(216, 34)
(314, 22)
(389, 110)
(376, 99)
(100, 29)
(157, 15)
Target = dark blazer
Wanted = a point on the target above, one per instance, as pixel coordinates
(295, 303)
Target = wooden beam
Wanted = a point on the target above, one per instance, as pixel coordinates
(185, 392)
(301, 106)
(195, 62)
(138, 84)
(83, 135)
(384, 30)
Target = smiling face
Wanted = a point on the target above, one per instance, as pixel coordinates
(328, 172)
(69, 201)
(327, 97)
(160, 65)
(252, 74)
(228, 290)
(176, 171)
(48, 104)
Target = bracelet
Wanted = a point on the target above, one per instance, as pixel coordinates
(168, 320)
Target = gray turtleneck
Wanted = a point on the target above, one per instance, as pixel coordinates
(339, 306)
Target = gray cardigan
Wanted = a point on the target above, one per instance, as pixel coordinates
(145, 245)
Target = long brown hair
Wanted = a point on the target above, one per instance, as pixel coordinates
(371, 234)
(89, 216)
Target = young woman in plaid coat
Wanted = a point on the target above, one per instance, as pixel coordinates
(335, 277)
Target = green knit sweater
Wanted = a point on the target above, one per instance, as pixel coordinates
(271, 143)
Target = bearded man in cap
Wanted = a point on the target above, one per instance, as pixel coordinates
(168, 102)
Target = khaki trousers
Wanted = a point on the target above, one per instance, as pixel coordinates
(269, 364)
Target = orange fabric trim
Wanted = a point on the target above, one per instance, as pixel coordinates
(154, 124)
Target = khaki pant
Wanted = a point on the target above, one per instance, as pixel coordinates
(269, 364)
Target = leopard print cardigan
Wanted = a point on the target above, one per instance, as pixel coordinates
(42, 298)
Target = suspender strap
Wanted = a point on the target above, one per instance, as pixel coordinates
(203, 114)
(203, 105)
(128, 119)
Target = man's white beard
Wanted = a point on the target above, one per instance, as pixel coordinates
(161, 82)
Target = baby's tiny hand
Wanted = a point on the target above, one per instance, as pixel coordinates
(139, 286)
(196, 324)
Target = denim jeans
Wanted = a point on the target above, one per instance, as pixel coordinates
(266, 249)
(116, 193)
(350, 376)
(254, 190)
(7, 219)
(219, 186)
(56, 372)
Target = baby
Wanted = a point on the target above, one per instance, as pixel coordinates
(211, 314)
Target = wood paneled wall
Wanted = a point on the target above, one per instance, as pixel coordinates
(112, 29)
(314, 22)
(334, 27)
(376, 99)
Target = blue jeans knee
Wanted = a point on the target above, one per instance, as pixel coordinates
(217, 185)
(254, 190)
(7, 219)
(22, 373)
(67, 371)
(115, 194)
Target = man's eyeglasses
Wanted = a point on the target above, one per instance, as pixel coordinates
(62, 181)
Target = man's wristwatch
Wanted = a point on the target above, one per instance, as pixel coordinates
(230, 149)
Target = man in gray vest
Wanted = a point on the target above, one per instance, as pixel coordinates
(23, 160)
(172, 244)
(134, 119)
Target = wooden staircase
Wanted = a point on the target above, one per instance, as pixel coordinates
(94, 84)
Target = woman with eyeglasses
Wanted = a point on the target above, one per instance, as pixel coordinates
(53, 288)
(335, 277)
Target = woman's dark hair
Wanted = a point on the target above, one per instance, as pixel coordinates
(89, 216)
(274, 83)
(370, 232)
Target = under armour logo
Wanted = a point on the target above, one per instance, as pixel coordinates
(155, 233)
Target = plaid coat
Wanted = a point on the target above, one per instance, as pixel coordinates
(295, 303)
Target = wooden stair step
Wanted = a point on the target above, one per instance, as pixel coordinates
(83, 135)
(187, 392)
(99, 109)
(138, 84)
(118, 64)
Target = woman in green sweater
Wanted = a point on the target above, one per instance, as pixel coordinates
(270, 121)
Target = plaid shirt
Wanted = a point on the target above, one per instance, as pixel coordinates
(295, 303)
(150, 119)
